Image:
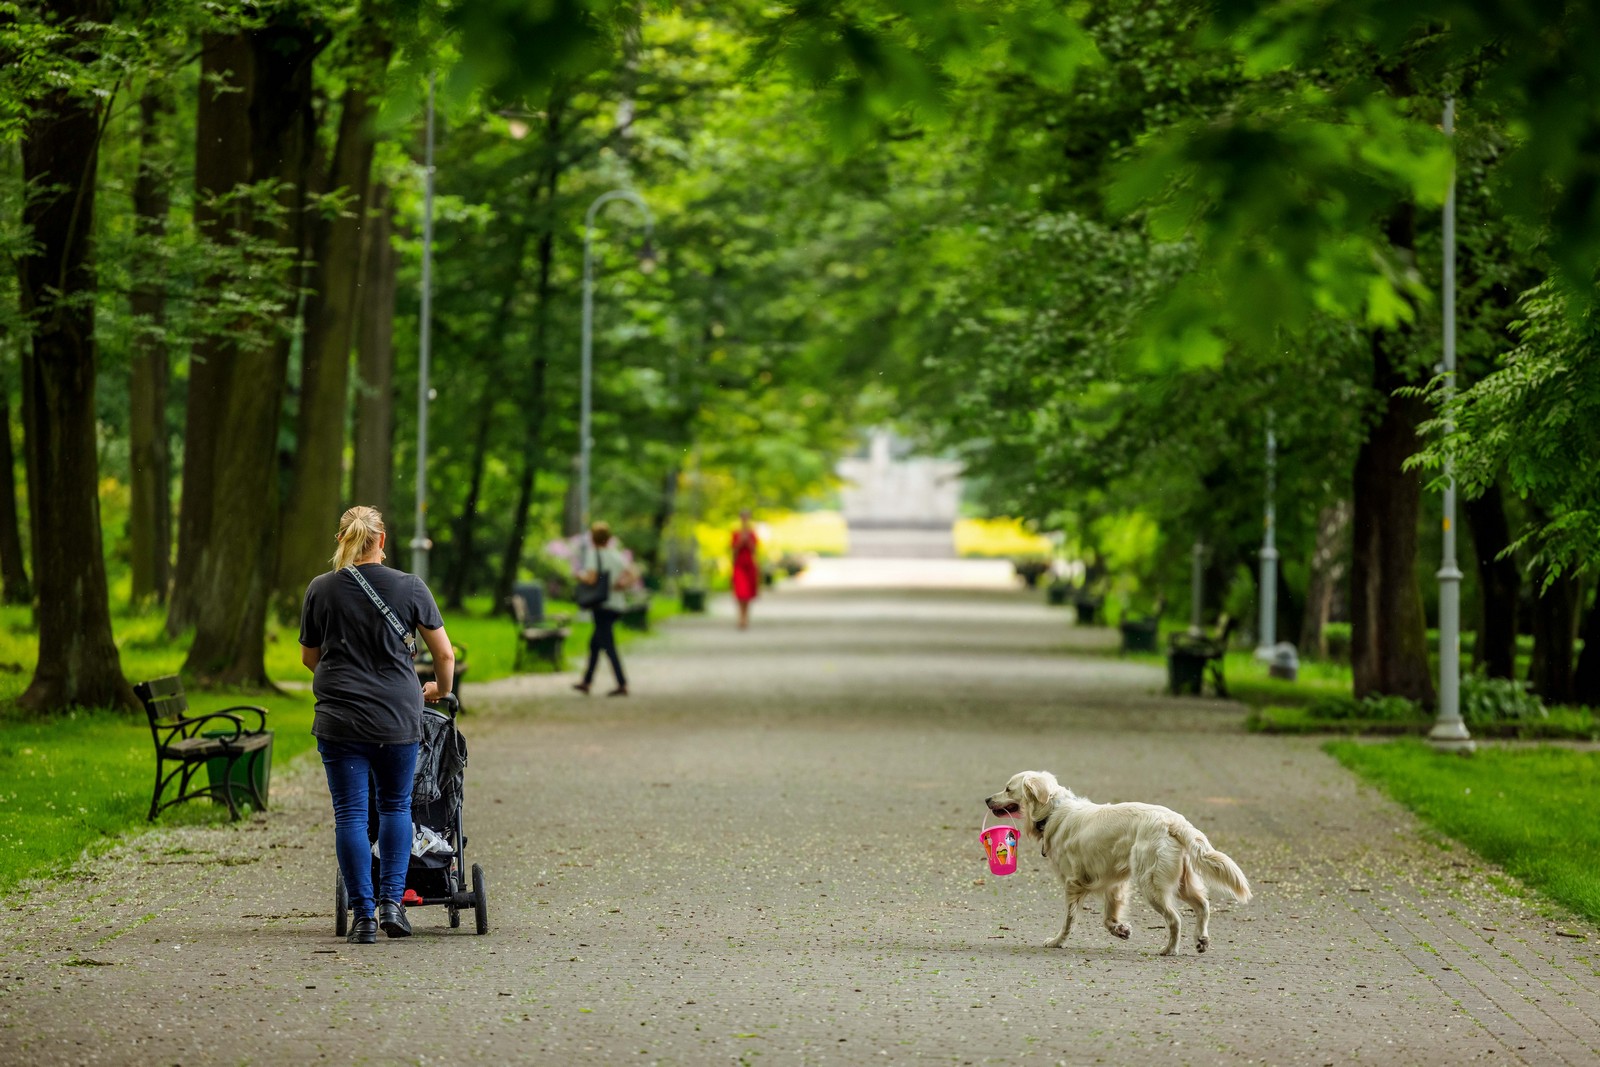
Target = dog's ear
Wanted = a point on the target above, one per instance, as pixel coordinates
(1039, 785)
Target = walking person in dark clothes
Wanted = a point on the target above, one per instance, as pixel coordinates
(601, 554)
(355, 637)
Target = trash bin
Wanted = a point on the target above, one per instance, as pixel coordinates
(1088, 608)
(1185, 672)
(1283, 661)
(694, 600)
(217, 768)
(1139, 635)
(1056, 595)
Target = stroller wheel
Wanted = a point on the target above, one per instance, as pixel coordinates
(480, 901)
(455, 916)
(341, 907)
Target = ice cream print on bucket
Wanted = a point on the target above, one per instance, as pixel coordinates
(1000, 844)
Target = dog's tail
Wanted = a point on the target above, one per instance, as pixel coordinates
(1218, 868)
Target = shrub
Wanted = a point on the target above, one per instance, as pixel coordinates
(1337, 636)
(1485, 701)
(1370, 709)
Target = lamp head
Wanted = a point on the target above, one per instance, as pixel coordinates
(647, 257)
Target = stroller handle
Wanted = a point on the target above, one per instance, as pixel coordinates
(451, 705)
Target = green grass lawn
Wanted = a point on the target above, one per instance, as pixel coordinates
(1529, 810)
(80, 781)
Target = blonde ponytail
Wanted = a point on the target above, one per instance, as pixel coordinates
(358, 532)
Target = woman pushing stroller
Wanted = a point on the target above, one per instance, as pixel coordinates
(355, 637)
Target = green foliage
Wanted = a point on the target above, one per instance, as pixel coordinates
(1526, 421)
(1369, 709)
(1527, 810)
(1486, 701)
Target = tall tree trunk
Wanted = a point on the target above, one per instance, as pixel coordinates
(534, 400)
(14, 586)
(1586, 679)
(467, 518)
(222, 164)
(372, 472)
(78, 662)
(314, 503)
(666, 507)
(150, 473)
(1329, 558)
(268, 71)
(1389, 631)
(533, 411)
(1499, 584)
(1554, 615)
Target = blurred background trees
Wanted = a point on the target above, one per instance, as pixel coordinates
(1091, 253)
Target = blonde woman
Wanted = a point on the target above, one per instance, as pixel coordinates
(369, 709)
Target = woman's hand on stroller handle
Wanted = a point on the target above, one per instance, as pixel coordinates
(431, 695)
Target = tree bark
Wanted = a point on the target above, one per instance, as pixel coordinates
(222, 164)
(666, 507)
(1586, 679)
(534, 401)
(1499, 584)
(78, 662)
(1550, 672)
(311, 512)
(150, 473)
(372, 473)
(233, 555)
(1329, 560)
(467, 518)
(1388, 632)
(14, 585)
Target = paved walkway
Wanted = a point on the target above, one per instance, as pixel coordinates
(769, 855)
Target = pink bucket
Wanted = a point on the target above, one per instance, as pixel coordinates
(1000, 843)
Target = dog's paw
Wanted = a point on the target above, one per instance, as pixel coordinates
(1202, 943)
(1056, 942)
(1120, 930)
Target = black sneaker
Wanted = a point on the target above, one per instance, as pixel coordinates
(392, 917)
(364, 932)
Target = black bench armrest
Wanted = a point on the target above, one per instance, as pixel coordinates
(189, 726)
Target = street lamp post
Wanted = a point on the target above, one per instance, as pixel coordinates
(586, 411)
(1449, 733)
(1197, 579)
(419, 540)
(1268, 628)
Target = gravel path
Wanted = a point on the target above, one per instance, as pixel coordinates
(769, 855)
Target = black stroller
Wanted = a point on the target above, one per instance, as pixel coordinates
(436, 876)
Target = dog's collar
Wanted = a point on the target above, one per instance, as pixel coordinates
(1044, 842)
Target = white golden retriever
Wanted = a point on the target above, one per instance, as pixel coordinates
(1103, 848)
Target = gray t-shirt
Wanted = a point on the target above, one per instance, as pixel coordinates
(365, 686)
(610, 560)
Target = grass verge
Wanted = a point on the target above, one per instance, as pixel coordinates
(72, 785)
(1528, 810)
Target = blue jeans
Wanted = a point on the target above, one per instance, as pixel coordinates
(354, 767)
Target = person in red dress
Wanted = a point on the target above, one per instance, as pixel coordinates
(746, 573)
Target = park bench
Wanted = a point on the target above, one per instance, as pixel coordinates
(1087, 607)
(1192, 656)
(190, 742)
(636, 615)
(543, 639)
(1139, 632)
(422, 663)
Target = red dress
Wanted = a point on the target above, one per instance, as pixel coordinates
(746, 575)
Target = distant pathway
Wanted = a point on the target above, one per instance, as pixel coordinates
(769, 855)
